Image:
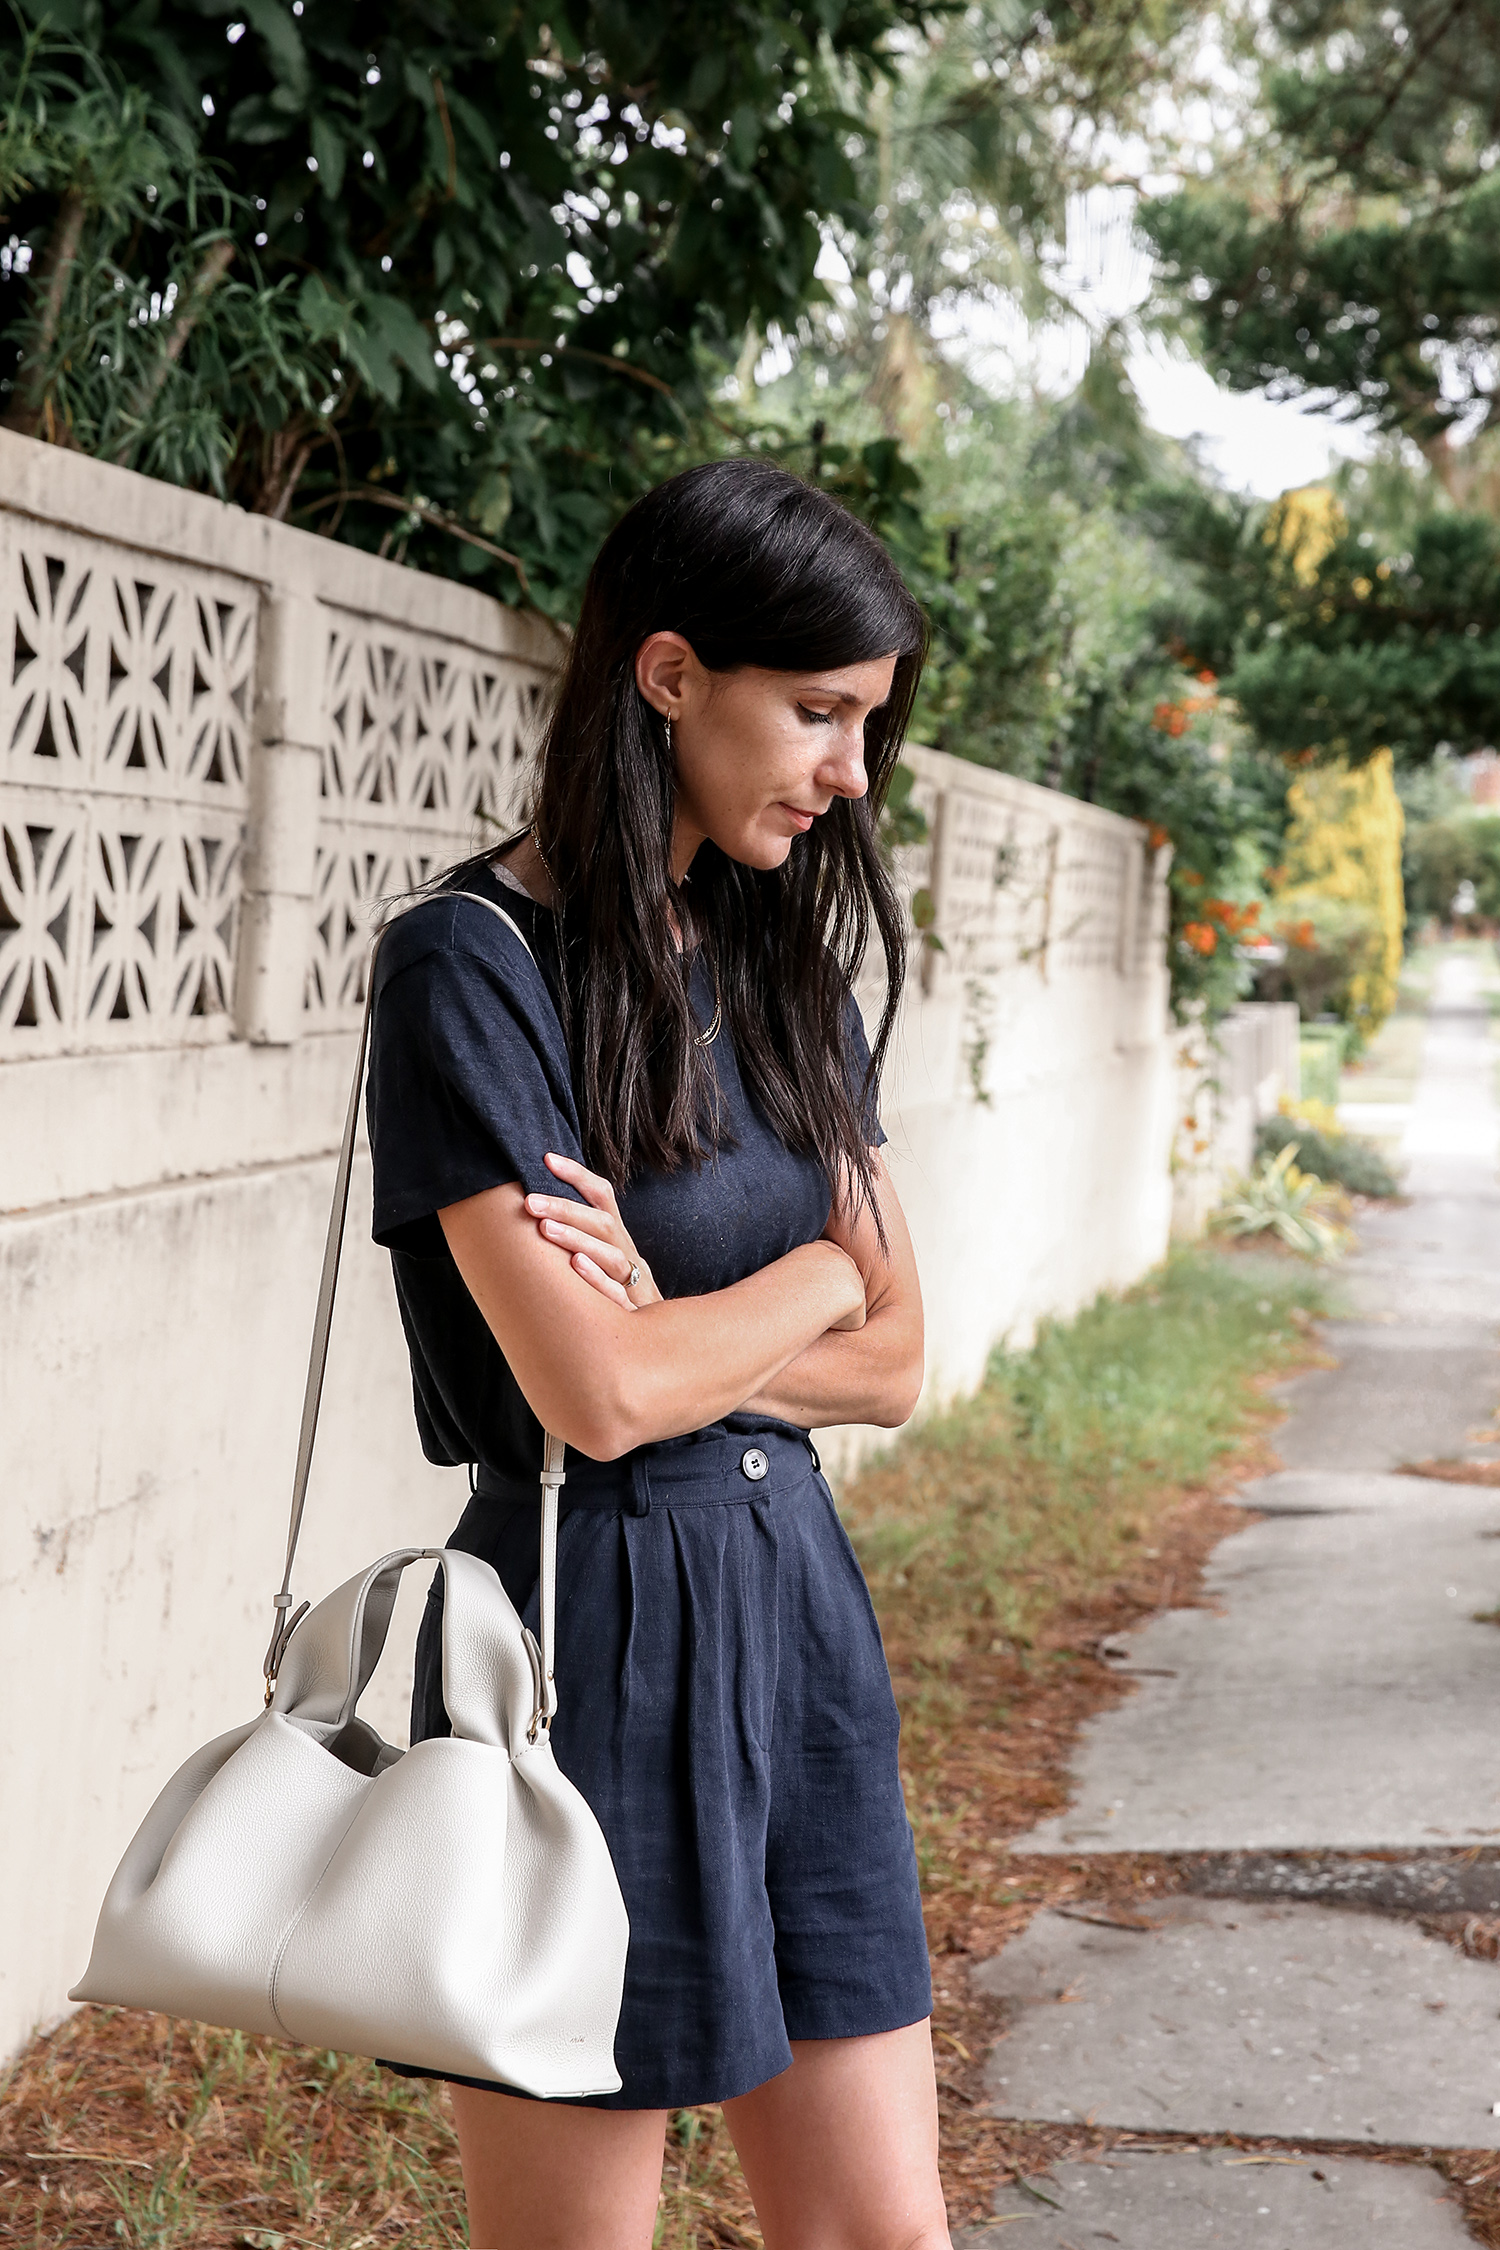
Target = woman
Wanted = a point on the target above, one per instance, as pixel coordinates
(638, 1198)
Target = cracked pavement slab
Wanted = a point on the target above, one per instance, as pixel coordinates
(1337, 1694)
(1194, 2199)
(1287, 2021)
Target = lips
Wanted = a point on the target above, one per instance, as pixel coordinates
(802, 820)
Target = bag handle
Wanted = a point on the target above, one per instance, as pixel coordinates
(553, 1450)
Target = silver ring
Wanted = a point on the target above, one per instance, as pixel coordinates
(633, 1279)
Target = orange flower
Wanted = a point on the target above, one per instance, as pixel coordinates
(1170, 718)
(1202, 936)
(1156, 836)
(1297, 933)
(1234, 918)
(1186, 875)
(1207, 678)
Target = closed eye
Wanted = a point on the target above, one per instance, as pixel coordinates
(816, 718)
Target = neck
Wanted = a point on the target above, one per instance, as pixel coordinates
(686, 837)
(530, 870)
(526, 862)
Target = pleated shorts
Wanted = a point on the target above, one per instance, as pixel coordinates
(725, 1708)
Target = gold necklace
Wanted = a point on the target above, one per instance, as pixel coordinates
(716, 1025)
(536, 845)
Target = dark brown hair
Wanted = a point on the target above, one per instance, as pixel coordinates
(751, 566)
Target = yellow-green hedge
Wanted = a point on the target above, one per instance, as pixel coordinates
(1344, 844)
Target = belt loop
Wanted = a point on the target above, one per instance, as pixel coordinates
(640, 1487)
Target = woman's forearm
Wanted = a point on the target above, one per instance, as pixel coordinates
(872, 1376)
(685, 1361)
(606, 1379)
(876, 1374)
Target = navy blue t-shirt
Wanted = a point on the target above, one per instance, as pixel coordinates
(469, 1088)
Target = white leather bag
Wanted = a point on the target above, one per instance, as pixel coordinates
(453, 1905)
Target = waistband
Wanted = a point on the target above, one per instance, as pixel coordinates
(697, 1472)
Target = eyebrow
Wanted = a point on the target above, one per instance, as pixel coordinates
(847, 695)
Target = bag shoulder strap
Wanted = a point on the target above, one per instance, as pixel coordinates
(553, 1450)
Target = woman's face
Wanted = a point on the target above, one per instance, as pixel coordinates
(759, 754)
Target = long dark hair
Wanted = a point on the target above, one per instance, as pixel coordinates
(751, 566)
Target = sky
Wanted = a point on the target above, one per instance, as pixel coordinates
(1252, 443)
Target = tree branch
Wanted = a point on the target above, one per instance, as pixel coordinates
(216, 263)
(447, 125)
(574, 351)
(52, 275)
(424, 514)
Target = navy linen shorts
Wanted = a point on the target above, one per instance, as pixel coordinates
(725, 1708)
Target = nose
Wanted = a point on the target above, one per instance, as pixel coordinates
(843, 769)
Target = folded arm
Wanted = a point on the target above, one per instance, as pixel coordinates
(873, 1374)
(605, 1375)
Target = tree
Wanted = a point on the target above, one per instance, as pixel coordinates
(434, 275)
(1343, 858)
(1345, 246)
(1444, 854)
(1333, 641)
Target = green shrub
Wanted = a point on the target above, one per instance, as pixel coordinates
(1341, 1158)
(1280, 1199)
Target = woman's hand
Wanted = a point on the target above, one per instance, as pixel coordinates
(599, 1247)
(594, 1236)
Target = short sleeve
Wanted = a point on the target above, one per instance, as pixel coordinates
(469, 1085)
(864, 1089)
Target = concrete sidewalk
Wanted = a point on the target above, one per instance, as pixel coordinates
(1339, 1695)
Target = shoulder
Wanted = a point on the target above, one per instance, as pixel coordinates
(454, 936)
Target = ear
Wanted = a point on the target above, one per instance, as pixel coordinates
(662, 665)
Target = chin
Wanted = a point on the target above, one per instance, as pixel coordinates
(765, 853)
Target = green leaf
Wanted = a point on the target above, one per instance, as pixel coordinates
(491, 505)
(330, 149)
(255, 123)
(707, 77)
(397, 333)
(277, 27)
(744, 132)
(321, 313)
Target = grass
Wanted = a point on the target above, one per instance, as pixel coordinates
(980, 1525)
(1072, 1495)
(1033, 1499)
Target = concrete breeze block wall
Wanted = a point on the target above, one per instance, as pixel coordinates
(222, 742)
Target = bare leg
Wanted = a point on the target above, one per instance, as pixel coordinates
(548, 2176)
(840, 2151)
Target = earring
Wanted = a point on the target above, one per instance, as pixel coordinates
(669, 734)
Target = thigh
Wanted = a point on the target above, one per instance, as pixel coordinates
(544, 2176)
(841, 2151)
